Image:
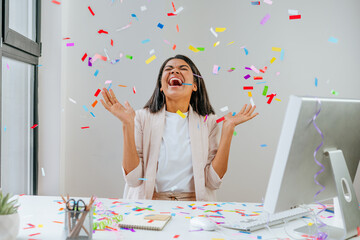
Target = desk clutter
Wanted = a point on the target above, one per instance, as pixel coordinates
(109, 217)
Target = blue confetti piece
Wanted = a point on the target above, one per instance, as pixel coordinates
(263, 145)
(134, 16)
(246, 51)
(96, 73)
(160, 26)
(333, 40)
(244, 232)
(144, 179)
(145, 41)
(234, 113)
(92, 114)
(109, 86)
(186, 84)
(244, 205)
(139, 202)
(38, 65)
(259, 237)
(85, 108)
(127, 213)
(139, 214)
(316, 82)
(260, 82)
(282, 55)
(4, 128)
(255, 3)
(173, 214)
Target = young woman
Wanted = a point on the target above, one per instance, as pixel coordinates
(171, 146)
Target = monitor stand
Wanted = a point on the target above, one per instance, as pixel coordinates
(347, 208)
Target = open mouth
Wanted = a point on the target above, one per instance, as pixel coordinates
(174, 82)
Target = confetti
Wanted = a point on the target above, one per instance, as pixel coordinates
(143, 179)
(216, 69)
(176, 236)
(292, 17)
(129, 57)
(179, 10)
(127, 26)
(220, 119)
(91, 11)
(85, 108)
(265, 90)
(143, 8)
(111, 42)
(149, 60)
(217, 43)
(177, 27)
(173, 5)
(255, 3)
(94, 103)
(134, 90)
(282, 55)
(334, 92)
(293, 12)
(181, 114)
(186, 84)
(70, 44)
(193, 49)
(279, 100)
(246, 51)
(268, 2)
(84, 57)
(276, 49)
(230, 43)
(316, 82)
(201, 49)
(231, 69)
(145, 41)
(248, 88)
(56, 2)
(235, 133)
(249, 94)
(263, 145)
(160, 25)
(265, 19)
(152, 51)
(34, 233)
(333, 40)
(252, 102)
(224, 109)
(220, 29)
(90, 62)
(134, 16)
(205, 118)
(122, 86)
(271, 97)
(272, 60)
(58, 222)
(174, 47)
(72, 100)
(254, 69)
(34, 126)
(96, 73)
(213, 32)
(102, 31)
(85, 127)
(108, 81)
(92, 114)
(171, 14)
(258, 78)
(43, 172)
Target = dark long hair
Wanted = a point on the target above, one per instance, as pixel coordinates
(199, 100)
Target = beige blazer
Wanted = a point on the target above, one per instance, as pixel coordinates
(204, 138)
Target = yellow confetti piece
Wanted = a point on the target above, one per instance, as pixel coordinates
(220, 29)
(273, 59)
(310, 224)
(276, 49)
(188, 217)
(193, 49)
(181, 114)
(40, 226)
(217, 43)
(149, 60)
(249, 94)
(230, 43)
(277, 99)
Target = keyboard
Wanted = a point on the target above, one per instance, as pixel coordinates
(253, 224)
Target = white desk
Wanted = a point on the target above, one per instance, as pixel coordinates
(39, 210)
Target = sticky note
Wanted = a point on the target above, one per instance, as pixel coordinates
(273, 59)
(276, 49)
(161, 26)
(181, 114)
(265, 19)
(150, 59)
(265, 90)
(145, 41)
(91, 11)
(224, 109)
(292, 17)
(193, 49)
(220, 29)
(333, 40)
(96, 73)
(217, 43)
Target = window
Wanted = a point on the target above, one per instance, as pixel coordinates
(20, 51)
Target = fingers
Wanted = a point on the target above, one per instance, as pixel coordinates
(243, 109)
(106, 96)
(104, 104)
(113, 97)
(252, 110)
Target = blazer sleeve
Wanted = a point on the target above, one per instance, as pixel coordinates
(132, 178)
(212, 179)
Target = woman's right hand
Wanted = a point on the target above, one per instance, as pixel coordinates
(125, 113)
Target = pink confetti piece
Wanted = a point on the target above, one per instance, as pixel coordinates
(215, 69)
(254, 69)
(265, 19)
(70, 44)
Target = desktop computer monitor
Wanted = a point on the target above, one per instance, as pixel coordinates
(292, 177)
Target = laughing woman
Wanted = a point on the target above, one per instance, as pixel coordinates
(171, 147)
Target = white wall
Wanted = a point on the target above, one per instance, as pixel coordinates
(91, 158)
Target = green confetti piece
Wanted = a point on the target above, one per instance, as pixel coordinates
(334, 92)
(200, 49)
(129, 57)
(265, 90)
(235, 133)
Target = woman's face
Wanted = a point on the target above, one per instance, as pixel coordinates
(175, 73)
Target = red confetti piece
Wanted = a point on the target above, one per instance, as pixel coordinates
(33, 234)
(97, 92)
(358, 230)
(150, 221)
(85, 127)
(248, 88)
(122, 86)
(35, 125)
(66, 38)
(134, 90)
(171, 14)
(220, 119)
(60, 209)
(94, 103)
(91, 11)
(176, 236)
(258, 78)
(292, 17)
(112, 42)
(84, 57)
(56, 2)
(174, 47)
(271, 97)
(173, 6)
(177, 27)
(102, 31)
(58, 222)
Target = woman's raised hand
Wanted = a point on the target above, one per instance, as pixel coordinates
(245, 114)
(125, 113)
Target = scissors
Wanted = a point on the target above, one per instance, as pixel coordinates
(76, 207)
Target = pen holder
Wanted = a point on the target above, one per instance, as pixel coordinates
(78, 224)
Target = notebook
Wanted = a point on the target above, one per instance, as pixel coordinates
(149, 222)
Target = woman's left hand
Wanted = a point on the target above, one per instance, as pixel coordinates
(245, 114)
